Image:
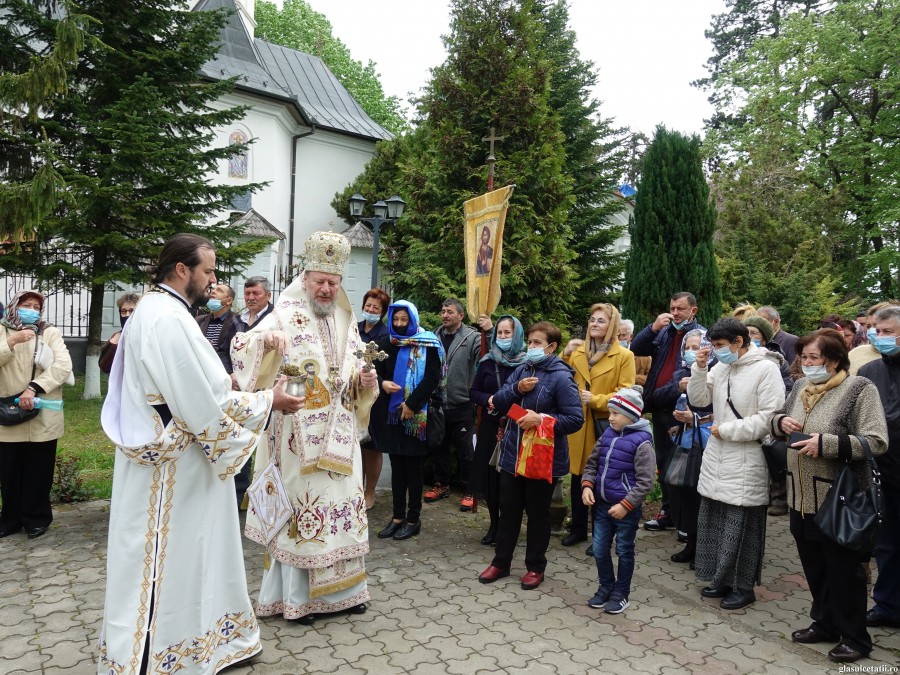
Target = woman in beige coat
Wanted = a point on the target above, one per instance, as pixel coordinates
(602, 367)
(34, 363)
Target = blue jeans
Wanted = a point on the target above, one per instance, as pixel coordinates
(625, 531)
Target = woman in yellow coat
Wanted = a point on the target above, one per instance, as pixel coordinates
(602, 367)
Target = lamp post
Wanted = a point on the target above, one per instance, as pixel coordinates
(386, 211)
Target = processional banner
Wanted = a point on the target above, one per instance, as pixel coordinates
(485, 217)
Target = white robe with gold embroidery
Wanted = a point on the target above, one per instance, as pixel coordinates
(175, 569)
(317, 562)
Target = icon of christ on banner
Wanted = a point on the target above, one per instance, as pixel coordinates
(485, 253)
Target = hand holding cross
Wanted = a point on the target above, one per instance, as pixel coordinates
(370, 355)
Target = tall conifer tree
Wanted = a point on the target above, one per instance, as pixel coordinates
(672, 232)
(134, 135)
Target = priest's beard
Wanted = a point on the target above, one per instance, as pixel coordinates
(196, 293)
(320, 309)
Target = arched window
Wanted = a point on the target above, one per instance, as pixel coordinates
(237, 163)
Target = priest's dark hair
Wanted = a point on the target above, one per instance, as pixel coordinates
(182, 248)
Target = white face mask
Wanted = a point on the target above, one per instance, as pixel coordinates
(816, 374)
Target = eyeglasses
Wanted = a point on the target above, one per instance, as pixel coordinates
(597, 320)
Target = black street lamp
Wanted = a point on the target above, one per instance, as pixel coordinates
(386, 211)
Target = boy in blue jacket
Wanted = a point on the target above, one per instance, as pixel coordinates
(616, 480)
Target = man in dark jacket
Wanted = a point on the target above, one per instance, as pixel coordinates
(662, 340)
(462, 346)
(885, 373)
(786, 341)
(219, 326)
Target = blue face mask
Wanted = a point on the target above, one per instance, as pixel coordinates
(28, 316)
(503, 343)
(758, 343)
(624, 343)
(371, 318)
(816, 374)
(214, 304)
(690, 357)
(536, 354)
(871, 334)
(725, 355)
(886, 344)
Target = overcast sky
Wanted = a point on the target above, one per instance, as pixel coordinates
(648, 51)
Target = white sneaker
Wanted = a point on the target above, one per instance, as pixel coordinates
(616, 606)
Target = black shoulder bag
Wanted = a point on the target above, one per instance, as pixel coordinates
(775, 453)
(849, 516)
(10, 412)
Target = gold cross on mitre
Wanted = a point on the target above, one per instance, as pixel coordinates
(370, 355)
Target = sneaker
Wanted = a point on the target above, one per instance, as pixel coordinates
(661, 522)
(682, 537)
(616, 605)
(466, 503)
(600, 598)
(437, 492)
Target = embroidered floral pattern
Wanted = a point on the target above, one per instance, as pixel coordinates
(203, 648)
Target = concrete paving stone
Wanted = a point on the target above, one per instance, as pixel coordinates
(417, 660)
(298, 666)
(65, 605)
(30, 663)
(320, 659)
(471, 663)
(448, 647)
(481, 640)
(508, 657)
(65, 655)
(340, 634)
(377, 666)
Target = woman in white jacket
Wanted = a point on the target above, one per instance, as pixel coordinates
(745, 389)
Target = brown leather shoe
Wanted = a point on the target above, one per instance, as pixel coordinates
(844, 653)
(491, 574)
(809, 636)
(532, 580)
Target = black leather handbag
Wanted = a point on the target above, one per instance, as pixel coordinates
(435, 424)
(11, 414)
(849, 516)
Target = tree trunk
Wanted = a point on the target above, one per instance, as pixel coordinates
(95, 325)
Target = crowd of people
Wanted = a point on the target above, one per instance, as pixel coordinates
(502, 411)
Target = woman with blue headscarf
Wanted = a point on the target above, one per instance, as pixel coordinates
(506, 353)
(408, 378)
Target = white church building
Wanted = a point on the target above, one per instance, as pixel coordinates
(310, 140)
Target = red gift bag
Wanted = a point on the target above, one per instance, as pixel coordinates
(536, 452)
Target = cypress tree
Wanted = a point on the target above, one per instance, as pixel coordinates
(672, 232)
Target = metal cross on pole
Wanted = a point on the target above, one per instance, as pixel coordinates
(491, 160)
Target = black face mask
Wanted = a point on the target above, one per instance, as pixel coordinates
(123, 319)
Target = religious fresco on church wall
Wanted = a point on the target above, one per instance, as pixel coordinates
(237, 164)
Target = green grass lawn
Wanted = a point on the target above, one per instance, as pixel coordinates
(85, 441)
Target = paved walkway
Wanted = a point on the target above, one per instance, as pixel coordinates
(429, 614)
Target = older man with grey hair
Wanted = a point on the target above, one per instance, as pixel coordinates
(257, 300)
(787, 341)
(885, 373)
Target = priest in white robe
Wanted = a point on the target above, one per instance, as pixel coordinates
(314, 563)
(176, 593)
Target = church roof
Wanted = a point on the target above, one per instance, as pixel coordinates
(255, 225)
(288, 75)
(359, 236)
